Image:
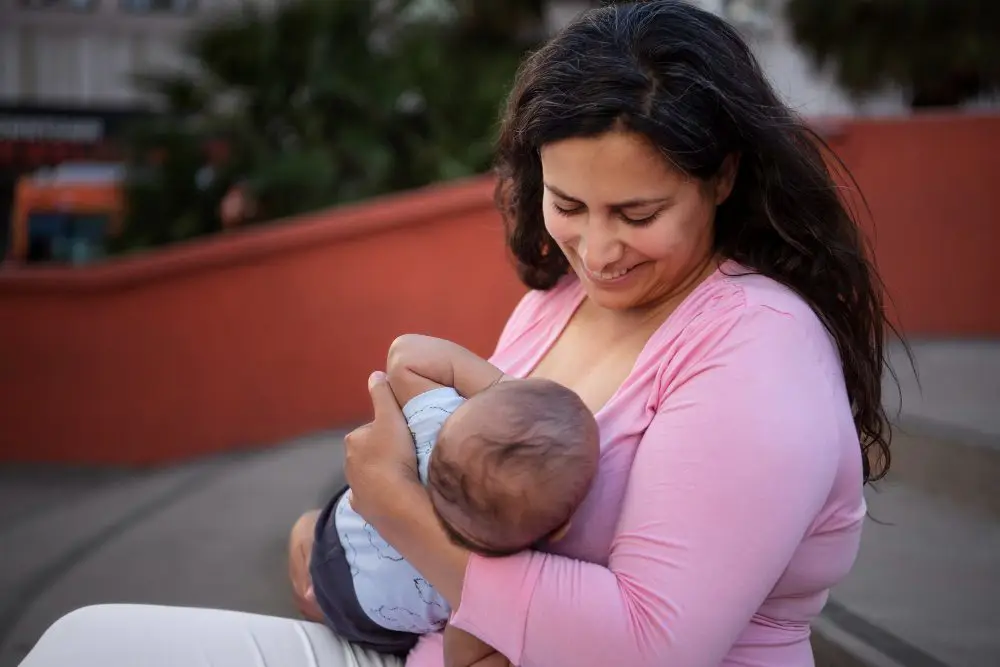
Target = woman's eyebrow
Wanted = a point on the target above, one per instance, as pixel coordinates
(559, 193)
(629, 203)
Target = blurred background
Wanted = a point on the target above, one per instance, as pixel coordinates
(215, 215)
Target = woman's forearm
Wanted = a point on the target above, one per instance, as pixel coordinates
(412, 528)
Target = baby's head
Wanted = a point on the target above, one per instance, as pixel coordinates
(512, 464)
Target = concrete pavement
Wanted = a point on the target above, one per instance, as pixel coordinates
(210, 533)
(926, 585)
(923, 592)
(954, 393)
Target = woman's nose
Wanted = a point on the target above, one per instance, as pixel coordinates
(599, 248)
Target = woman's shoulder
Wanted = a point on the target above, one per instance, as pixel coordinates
(761, 292)
(738, 312)
(739, 297)
(746, 339)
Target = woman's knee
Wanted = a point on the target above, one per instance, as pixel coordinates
(85, 619)
(73, 635)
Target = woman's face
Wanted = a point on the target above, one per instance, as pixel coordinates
(637, 231)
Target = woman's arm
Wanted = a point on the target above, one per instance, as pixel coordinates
(464, 650)
(407, 521)
(728, 478)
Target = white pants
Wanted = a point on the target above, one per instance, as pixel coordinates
(150, 636)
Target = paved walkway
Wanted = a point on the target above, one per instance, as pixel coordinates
(211, 533)
(925, 588)
(955, 393)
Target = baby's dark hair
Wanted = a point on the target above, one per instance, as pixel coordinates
(519, 477)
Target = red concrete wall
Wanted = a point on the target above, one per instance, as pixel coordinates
(246, 339)
(264, 334)
(933, 185)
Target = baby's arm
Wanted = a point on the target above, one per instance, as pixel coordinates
(464, 650)
(420, 363)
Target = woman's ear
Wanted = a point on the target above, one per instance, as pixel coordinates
(726, 178)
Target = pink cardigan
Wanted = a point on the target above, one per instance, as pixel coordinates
(728, 501)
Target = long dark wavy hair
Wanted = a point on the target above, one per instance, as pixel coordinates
(687, 81)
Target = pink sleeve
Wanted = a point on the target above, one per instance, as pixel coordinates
(735, 466)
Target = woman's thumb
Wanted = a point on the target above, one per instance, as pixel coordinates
(382, 397)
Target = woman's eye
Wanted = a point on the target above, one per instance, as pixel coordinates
(566, 211)
(640, 222)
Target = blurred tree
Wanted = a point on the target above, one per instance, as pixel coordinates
(318, 102)
(942, 52)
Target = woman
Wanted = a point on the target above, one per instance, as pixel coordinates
(698, 282)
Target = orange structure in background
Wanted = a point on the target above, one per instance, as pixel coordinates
(267, 333)
(70, 195)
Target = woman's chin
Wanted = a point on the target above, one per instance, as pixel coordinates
(611, 299)
(620, 293)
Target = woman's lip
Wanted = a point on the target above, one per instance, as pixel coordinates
(598, 278)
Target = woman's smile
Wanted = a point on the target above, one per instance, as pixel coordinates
(612, 278)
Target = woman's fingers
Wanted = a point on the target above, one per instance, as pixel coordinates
(379, 455)
(384, 402)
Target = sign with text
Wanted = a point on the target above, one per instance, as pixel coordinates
(51, 128)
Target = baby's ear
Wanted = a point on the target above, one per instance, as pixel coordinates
(560, 533)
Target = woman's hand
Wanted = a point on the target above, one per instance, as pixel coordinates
(381, 467)
(379, 456)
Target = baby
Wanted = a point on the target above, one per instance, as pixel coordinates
(506, 462)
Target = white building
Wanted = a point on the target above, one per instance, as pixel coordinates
(811, 92)
(81, 53)
(66, 75)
